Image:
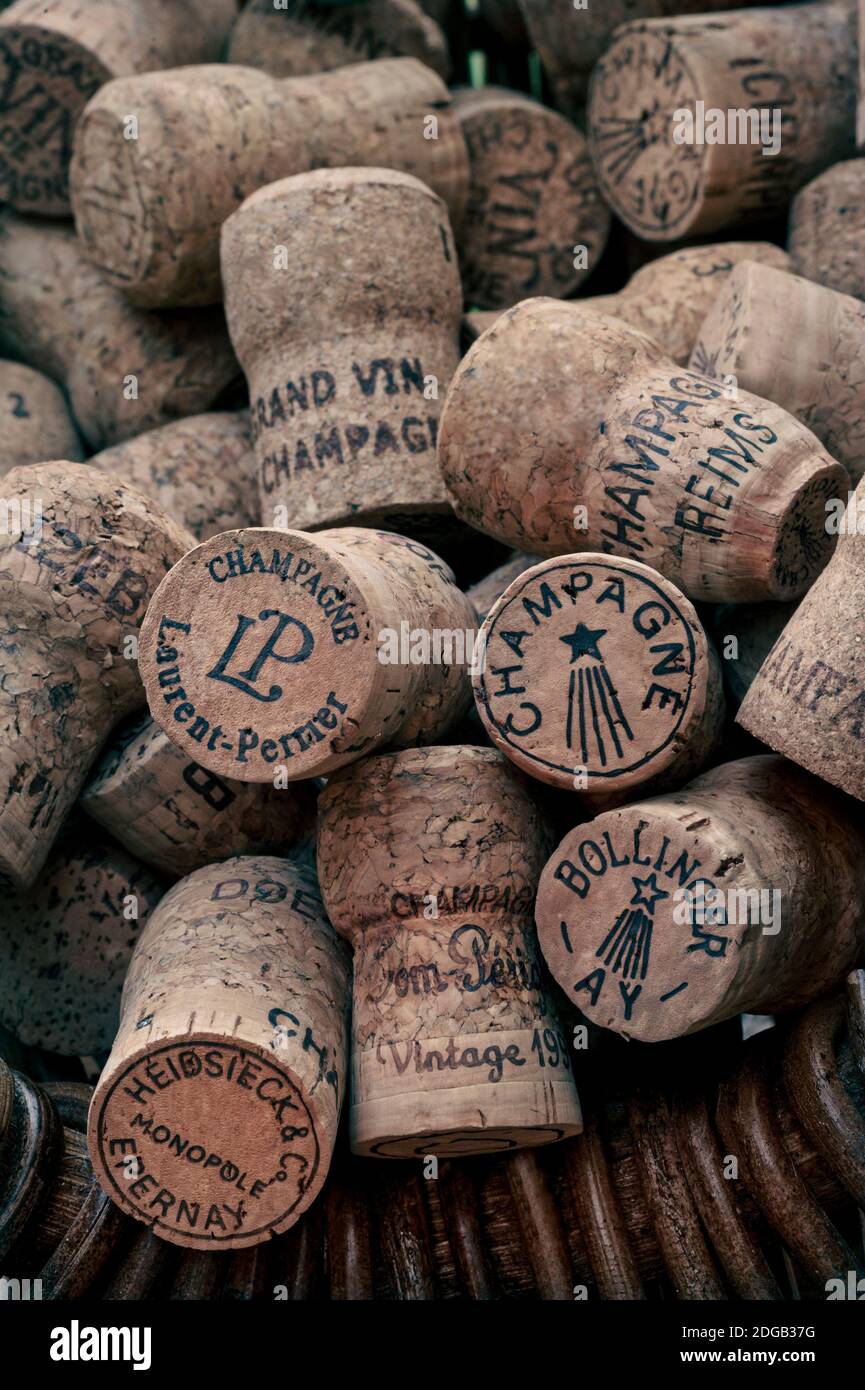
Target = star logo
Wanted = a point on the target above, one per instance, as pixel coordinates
(647, 892)
(583, 641)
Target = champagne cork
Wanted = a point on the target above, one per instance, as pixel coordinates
(215, 1118)
(668, 298)
(149, 214)
(745, 633)
(66, 943)
(124, 371)
(79, 557)
(306, 36)
(200, 470)
(55, 54)
(270, 652)
(428, 861)
(484, 594)
(666, 90)
(175, 815)
(348, 349)
(598, 677)
(567, 431)
(35, 423)
(808, 698)
(795, 343)
(741, 894)
(535, 222)
(827, 225)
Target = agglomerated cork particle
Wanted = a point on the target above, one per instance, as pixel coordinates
(637, 954)
(428, 861)
(827, 224)
(65, 945)
(149, 215)
(35, 423)
(655, 174)
(271, 651)
(177, 816)
(565, 432)
(215, 1117)
(79, 560)
(598, 677)
(347, 348)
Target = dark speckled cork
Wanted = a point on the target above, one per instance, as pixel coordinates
(598, 677)
(566, 431)
(428, 861)
(55, 54)
(796, 60)
(535, 223)
(827, 228)
(348, 348)
(215, 1118)
(305, 36)
(125, 371)
(270, 653)
(66, 943)
(79, 560)
(149, 211)
(780, 862)
(35, 423)
(176, 815)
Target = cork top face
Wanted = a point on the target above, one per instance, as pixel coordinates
(594, 670)
(258, 649)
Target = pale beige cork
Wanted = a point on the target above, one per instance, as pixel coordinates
(271, 653)
(177, 816)
(827, 228)
(55, 54)
(808, 698)
(668, 298)
(536, 223)
(201, 470)
(796, 343)
(215, 1118)
(80, 556)
(125, 371)
(65, 945)
(484, 594)
(566, 431)
(597, 677)
(347, 348)
(428, 861)
(35, 423)
(623, 929)
(797, 63)
(745, 633)
(306, 37)
(149, 211)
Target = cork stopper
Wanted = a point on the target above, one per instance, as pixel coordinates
(742, 893)
(536, 223)
(54, 55)
(428, 861)
(215, 1118)
(347, 349)
(274, 651)
(79, 560)
(807, 699)
(176, 815)
(306, 36)
(745, 633)
(66, 943)
(124, 371)
(566, 432)
(201, 470)
(827, 224)
(156, 235)
(669, 176)
(35, 423)
(774, 334)
(484, 593)
(598, 677)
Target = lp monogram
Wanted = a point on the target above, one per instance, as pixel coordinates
(244, 680)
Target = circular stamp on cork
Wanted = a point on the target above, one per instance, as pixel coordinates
(207, 1141)
(258, 651)
(594, 672)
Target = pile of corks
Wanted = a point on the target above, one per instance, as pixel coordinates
(431, 563)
